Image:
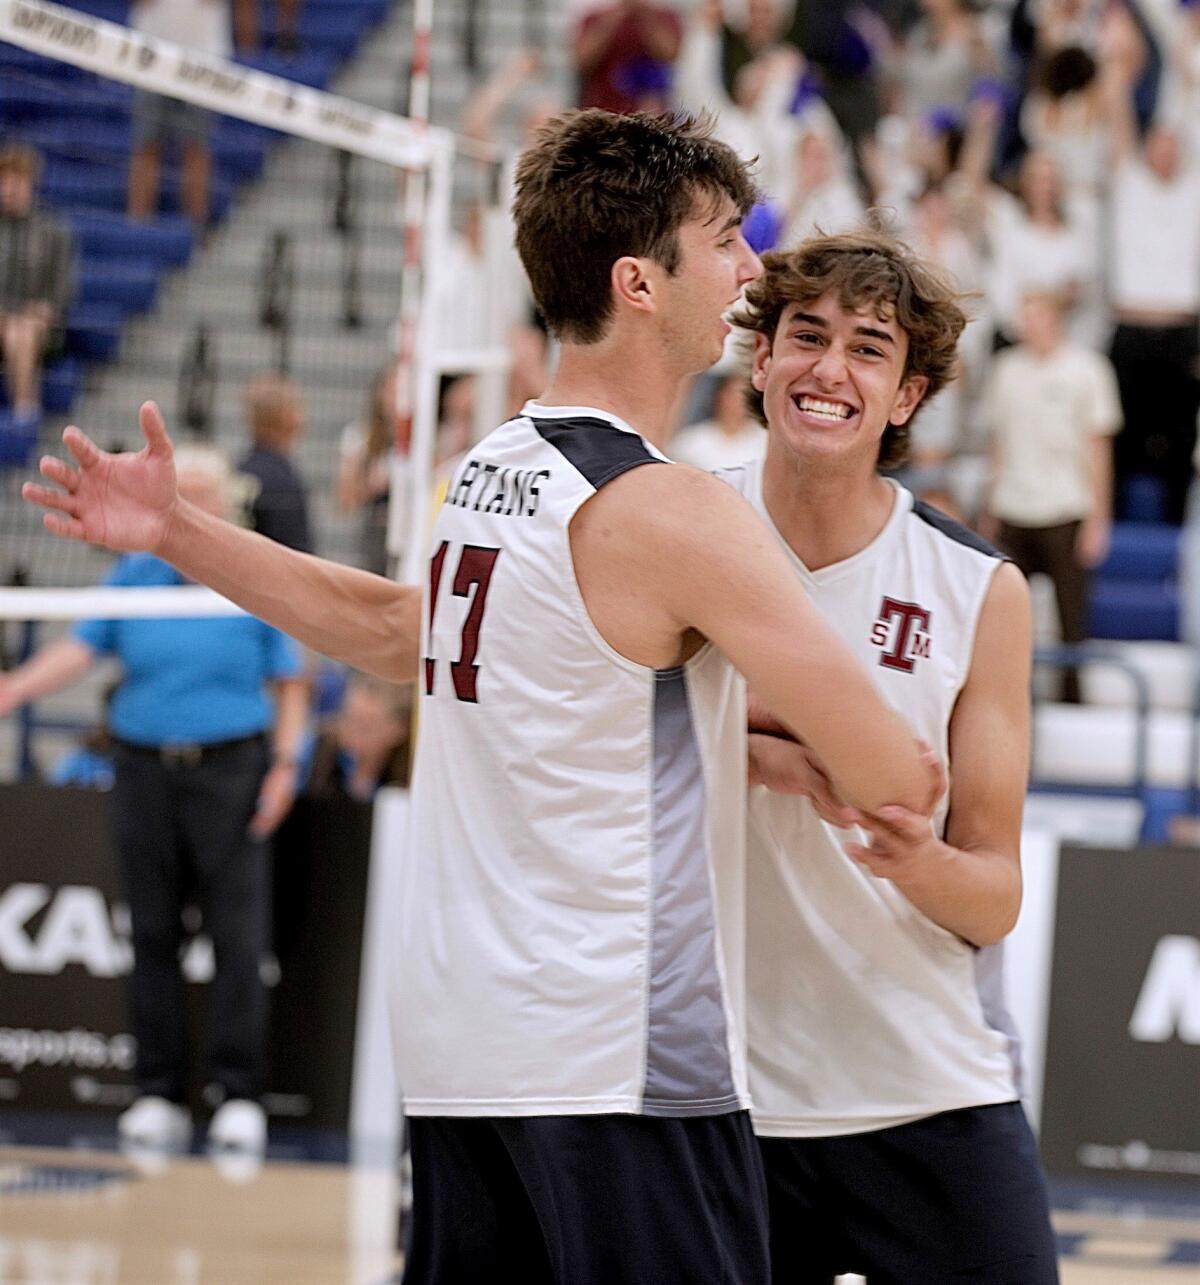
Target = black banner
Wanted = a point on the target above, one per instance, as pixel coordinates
(1122, 1079)
(65, 953)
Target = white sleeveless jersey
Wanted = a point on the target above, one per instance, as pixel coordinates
(571, 936)
(864, 1013)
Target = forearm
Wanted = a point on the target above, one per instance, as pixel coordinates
(291, 719)
(974, 893)
(363, 619)
(56, 666)
(1101, 472)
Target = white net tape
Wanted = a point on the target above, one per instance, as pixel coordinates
(122, 54)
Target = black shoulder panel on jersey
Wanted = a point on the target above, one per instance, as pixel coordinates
(598, 449)
(955, 530)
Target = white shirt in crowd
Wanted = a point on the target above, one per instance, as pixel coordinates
(1043, 413)
(708, 446)
(1155, 246)
(1027, 256)
(203, 25)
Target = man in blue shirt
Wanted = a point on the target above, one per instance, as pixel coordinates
(205, 769)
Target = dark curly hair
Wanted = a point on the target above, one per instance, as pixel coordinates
(595, 187)
(865, 269)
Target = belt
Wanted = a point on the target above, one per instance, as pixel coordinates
(191, 753)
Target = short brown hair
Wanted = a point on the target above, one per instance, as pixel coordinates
(595, 187)
(866, 269)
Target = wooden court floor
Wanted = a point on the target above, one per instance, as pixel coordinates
(70, 1217)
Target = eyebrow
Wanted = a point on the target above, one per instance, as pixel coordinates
(734, 222)
(811, 319)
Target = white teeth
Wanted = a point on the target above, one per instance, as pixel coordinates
(832, 410)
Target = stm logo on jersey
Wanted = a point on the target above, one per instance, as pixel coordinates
(902, 630)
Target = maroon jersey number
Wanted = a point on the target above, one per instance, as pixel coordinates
(475, 567)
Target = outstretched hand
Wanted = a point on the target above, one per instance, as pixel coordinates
(123, 502)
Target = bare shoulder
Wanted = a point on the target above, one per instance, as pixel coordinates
(1004, 637)
(663, 506)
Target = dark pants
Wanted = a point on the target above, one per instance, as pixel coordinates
(956, 1197)
(1050, 551)
(1160, 392)
(587, 1200)
(180, 834)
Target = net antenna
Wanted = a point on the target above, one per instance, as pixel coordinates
(425, 153)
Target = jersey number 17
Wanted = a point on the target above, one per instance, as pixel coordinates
(475, 567)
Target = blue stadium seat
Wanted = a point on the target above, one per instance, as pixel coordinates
(131, 286)
(16, 445)
(1128, 608)
(1141, 498)
(166, 239)
(1142, 551)
(94, 330)
(61, 382)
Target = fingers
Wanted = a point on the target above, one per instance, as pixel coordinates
(70, 528)
(58, 471)
(49, 499)
(154, 429)
(81, 446)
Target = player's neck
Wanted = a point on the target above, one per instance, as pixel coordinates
(826, 515)
(639, 388)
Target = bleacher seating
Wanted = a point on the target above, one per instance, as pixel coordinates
(81, 124)
(1134, 594)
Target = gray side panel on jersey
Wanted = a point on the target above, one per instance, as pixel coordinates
(989, 983)
(687, 1054)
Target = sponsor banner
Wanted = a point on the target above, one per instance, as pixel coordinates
(65, 952)
(215, 83)
(1122, 1075)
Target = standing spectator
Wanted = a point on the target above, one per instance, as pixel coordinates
(1154, 275)
(753, 118)
(1033, 244)
(287, 27)
(275, 414)
(205, 771)
(824, 197)
(1052, 408)
(202, 25)
(365, 456)
(36, 281)
(941, 57)
(732, 436)
(366, 744)
(614, 46)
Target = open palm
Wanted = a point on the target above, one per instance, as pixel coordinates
(124, 502)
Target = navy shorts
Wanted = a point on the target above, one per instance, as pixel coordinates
(956, 1197)
(586, 1200)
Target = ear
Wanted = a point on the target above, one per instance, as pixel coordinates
(762, 361)
(907, 399)
(631, 284)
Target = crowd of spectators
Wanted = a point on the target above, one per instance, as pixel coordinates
(1046, 153)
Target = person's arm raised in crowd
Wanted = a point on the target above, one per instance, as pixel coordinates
(1122, 57)
(970, 881)
(594, 35)
(48, 670)
(486, 103)
(660, 30)
(130, 502)
(666, 553)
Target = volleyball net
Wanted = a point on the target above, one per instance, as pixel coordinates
(329, 231)
(326, 260)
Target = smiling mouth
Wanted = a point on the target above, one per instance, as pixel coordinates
(818, 408)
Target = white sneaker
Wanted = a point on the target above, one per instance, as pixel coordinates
(156, 1123)
(238, 1125)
